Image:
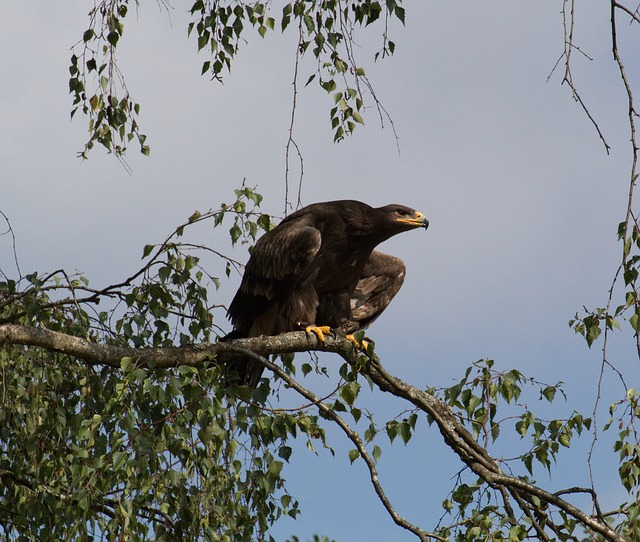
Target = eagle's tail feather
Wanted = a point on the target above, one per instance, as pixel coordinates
(248, 370)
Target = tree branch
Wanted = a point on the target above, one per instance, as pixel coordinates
(457, 437)
(568, 22)
(474, 455)
(192, 355)
(352, 436)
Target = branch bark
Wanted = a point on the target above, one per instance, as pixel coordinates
(194, 355)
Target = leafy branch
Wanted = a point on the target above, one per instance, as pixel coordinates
(326, 30)
(167, 298)
(530, 498)
(98, 86)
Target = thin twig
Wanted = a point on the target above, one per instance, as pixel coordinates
(568, 21)
(13, 244)
(634, 146)
(290, 140)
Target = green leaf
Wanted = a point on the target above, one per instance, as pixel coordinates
(126, 364)
(113, 37)
(147, 250)
(275, 468)
(517, 533)
(264, 221)
(119, 459)
(349, 392)
(565, 439)
(235, 232)
(164, 273)
(634, 321)
(376, 453)
(549, 393)
(392, 430)
(357, 117)
(495, 431)
(329, 85)
(404, 430)
(353, 455)
(285, 452)
(528, 462)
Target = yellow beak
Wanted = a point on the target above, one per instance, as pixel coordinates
(419, 221)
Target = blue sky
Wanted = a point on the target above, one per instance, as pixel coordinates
(522, 198)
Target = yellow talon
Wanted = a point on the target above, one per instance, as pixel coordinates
(363, 346)
(319, 331)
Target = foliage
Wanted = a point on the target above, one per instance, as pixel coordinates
(325, 29)
(90, 451)
(477, 399)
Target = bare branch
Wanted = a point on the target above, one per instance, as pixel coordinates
(633, 14)
(290, 141)
(9, 231)
(112, 355)
(569, 46)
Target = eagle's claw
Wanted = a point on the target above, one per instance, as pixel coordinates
(319, 331)
(362, 346)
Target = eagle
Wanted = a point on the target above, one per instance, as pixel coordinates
(318, 270)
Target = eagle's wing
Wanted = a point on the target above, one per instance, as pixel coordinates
(279, 263)
(276, 290)
(282, 252)
(380, 281)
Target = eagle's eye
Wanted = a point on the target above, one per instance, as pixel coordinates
(401, 212)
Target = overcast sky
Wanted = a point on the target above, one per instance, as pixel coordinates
(522, 198)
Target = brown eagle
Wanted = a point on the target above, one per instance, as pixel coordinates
(318, 268)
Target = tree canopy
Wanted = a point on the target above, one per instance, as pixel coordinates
(117, 421)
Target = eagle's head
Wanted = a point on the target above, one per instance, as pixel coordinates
(399, 218)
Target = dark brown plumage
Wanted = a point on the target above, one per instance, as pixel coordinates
(318, 267)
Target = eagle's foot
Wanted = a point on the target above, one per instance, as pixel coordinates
(318, 331)
(362, 345)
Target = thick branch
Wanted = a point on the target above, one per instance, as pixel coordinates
(193, 355)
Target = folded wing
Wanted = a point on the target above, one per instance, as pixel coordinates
(380, 281)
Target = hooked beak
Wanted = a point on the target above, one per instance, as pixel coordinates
(418, 220)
